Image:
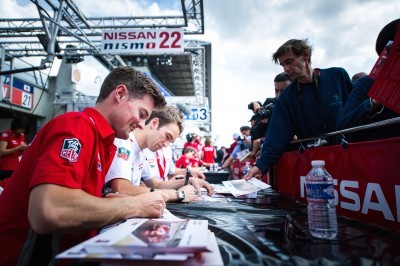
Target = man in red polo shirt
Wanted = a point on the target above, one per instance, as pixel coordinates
(12, 145)
(53, 201)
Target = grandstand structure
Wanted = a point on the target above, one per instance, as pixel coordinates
(61, 30)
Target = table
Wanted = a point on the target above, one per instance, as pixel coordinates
(258, 232)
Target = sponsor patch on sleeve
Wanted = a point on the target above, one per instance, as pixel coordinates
(70, 149)
(123, 153)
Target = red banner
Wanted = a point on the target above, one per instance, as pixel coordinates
(387, 73)
(366, 178)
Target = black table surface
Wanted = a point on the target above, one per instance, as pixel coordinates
(216, 177)
(258, 232)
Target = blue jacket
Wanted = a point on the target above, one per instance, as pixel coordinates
(355, 113)
(305, 112)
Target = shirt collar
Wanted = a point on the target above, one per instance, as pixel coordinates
(104, 128)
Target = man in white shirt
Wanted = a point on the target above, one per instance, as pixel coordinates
(130, 166)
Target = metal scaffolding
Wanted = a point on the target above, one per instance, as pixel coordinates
(63, 30)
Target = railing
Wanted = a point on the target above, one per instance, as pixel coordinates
(321, 139)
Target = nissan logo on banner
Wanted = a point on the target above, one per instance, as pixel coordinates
(127, 41)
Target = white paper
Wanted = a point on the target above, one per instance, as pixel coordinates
(242, 187)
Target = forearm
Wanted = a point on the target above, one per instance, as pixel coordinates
(355, 111)
(173, 183)
(277, 137)
(171, 193)
(55, 208)
(4, 151)
(354, 117)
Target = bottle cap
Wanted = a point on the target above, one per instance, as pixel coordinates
(318, 163)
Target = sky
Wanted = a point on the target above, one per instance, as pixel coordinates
(245, 34)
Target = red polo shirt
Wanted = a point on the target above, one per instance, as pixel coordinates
(183, 162)
(208, 154)
(74, 150)
(11, 161)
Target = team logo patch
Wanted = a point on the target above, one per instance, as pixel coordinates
(123, 153)
(70, 150)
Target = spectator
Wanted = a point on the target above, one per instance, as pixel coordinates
(191, 141)
(235, 138)
(130, 165)
(184, 160)
(198, 163)
(209, 152)
(53, 200)
(357, 76)
(221, 155)
(281, 82)
(198, 145)
(12, 146)
(360, 109)
(244, 142)
(308, 107)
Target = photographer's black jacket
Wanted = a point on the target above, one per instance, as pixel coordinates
(259, 128)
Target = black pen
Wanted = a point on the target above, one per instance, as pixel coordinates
(108, 192)
(187, 176)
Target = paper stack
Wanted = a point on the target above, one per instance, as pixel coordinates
(245, 188)
(166, 239)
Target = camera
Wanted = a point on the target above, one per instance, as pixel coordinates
(250, 106)
(190, 137)
(240, 138)
(265, 111)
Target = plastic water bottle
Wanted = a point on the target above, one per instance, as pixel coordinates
(216, 167)
(246, 168)
(322, 221)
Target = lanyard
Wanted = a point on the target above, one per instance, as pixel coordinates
(161, 165)
(316, 74)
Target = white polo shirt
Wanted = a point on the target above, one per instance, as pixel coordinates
(160, 162)
(129, 162)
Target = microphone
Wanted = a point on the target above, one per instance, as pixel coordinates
(184, 108)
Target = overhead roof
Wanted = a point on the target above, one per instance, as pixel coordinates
(20, 38)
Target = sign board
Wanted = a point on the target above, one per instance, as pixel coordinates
(366, 178)
(198, 114)
(151, 41)
(20, 93)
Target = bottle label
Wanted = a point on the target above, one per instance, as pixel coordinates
(320, 191)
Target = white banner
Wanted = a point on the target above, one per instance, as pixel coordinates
(133, 41)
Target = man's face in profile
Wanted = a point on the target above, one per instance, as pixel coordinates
(280, 86)
(295, 66)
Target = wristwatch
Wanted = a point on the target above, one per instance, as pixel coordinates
(181, 195)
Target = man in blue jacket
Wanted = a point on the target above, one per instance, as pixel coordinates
(308, 107)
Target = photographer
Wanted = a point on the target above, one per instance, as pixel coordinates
(259, 121)
(262, 113)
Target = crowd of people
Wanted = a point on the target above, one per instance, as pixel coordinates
(86, 170)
